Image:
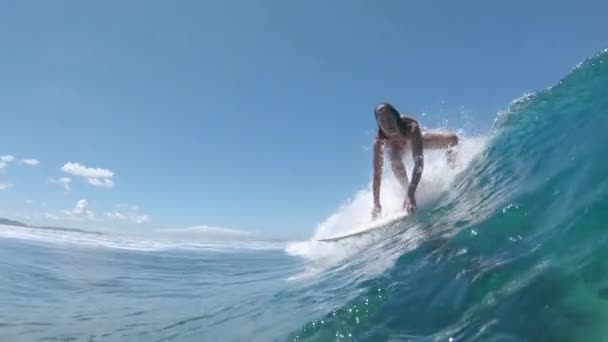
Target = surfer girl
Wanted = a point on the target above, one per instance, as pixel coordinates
(396, 132)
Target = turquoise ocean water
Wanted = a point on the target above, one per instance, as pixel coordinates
(513, 246)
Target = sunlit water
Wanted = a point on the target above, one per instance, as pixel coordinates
(511, 246)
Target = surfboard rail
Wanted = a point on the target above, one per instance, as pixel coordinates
(374, 225)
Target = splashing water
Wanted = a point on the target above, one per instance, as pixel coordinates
(512, 246)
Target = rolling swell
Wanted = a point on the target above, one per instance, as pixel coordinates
(515, 250)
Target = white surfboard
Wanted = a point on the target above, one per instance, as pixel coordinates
(376, 224)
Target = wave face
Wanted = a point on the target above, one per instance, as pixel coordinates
(513, 247)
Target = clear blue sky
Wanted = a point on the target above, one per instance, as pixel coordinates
(254, 115)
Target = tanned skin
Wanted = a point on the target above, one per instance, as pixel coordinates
(396, 141)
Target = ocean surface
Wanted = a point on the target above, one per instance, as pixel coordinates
(511, 246)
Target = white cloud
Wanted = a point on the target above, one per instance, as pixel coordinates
(63, 181)
(80, 211)
(142, 219)
(88, 172)
(80, 207)
(115, 215)
(101, 182)
(30, 162)
(7, 158)
(131, 216)
(94, 176)
(23, 217)
(4, 186)
(83, 212)
(51, 216)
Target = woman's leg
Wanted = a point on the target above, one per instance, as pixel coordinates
(442, 140)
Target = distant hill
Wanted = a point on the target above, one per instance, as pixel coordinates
(7, 222)
(66, 229)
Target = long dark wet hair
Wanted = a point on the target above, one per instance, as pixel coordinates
(385, 123)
